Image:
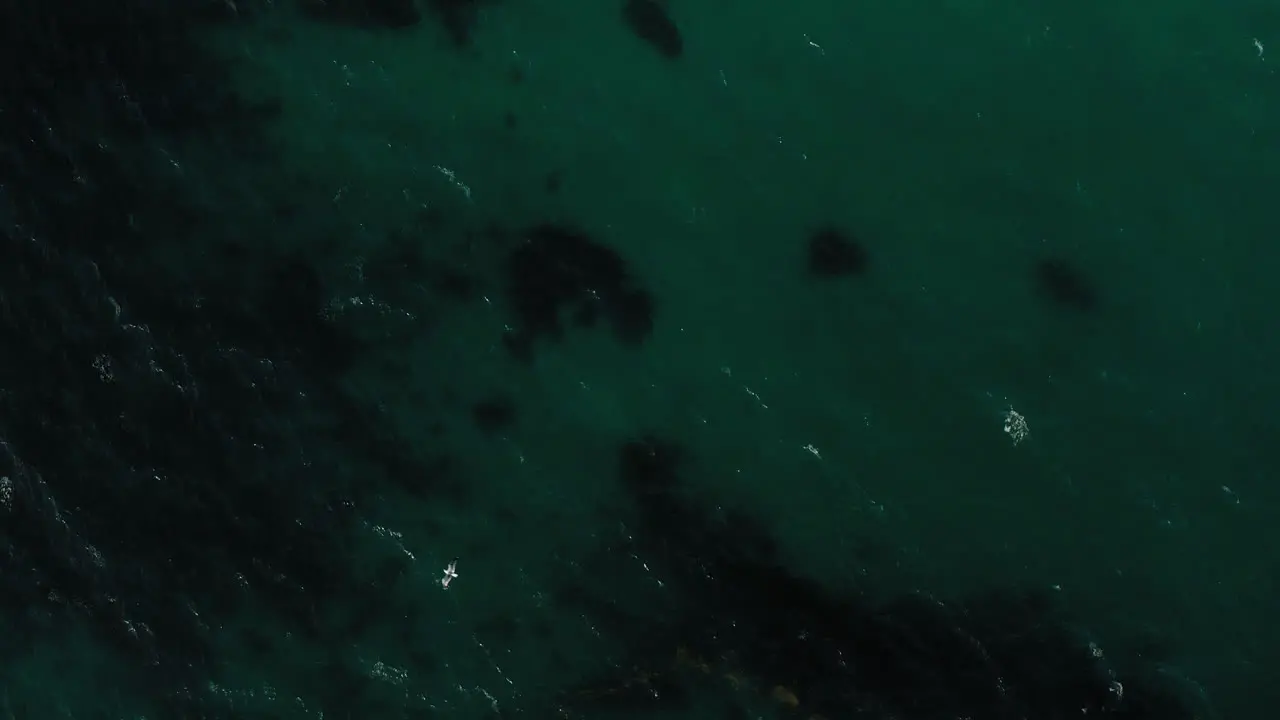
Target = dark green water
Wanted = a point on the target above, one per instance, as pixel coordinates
(698, 359)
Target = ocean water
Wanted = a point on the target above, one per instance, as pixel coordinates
(741, 360)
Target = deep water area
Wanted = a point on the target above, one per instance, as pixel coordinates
(392, 359)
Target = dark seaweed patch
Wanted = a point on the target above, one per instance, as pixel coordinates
(1065, 285)
(364, 13)
(553, 181)
(649, 21)
(834, 253)
(457, 17)
(733, 609)
(494, 414)
(455, 284)
(560, 269)
(403, 273)
(176, 436)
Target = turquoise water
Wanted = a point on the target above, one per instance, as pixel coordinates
(455, 290)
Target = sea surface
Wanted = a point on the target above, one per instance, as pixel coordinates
(382, 359)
